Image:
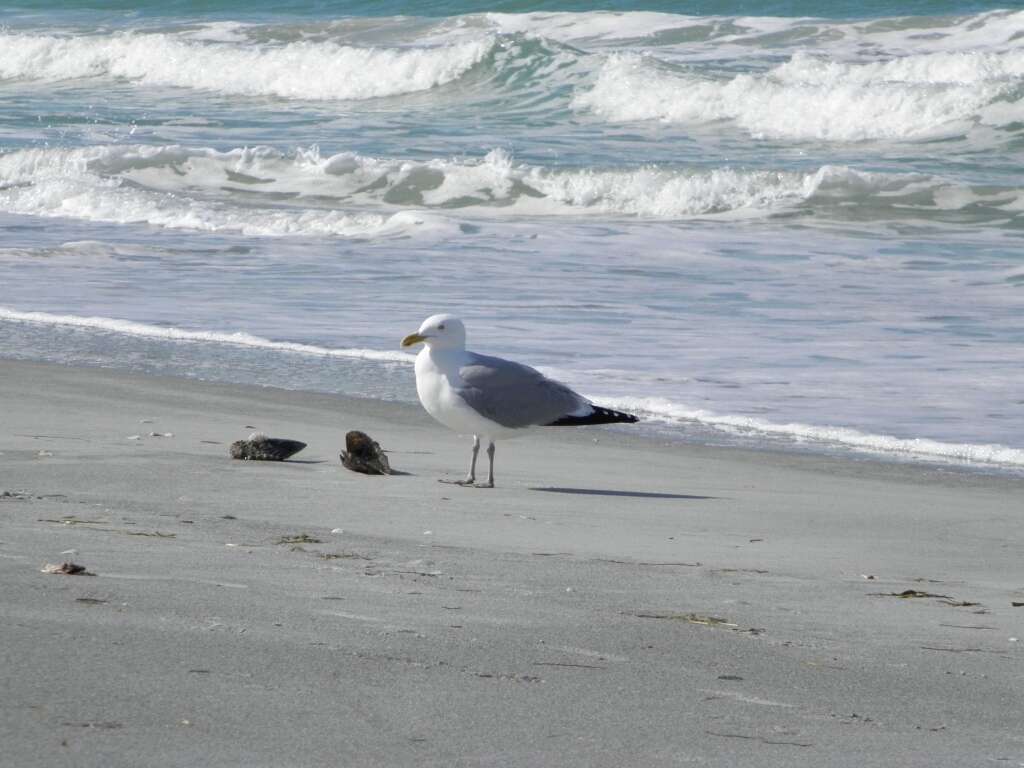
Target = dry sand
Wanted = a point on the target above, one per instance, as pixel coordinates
(614, 602)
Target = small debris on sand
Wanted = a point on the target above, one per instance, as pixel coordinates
(342, 555)
(696, 618)
(909, 594)
(762, 739)
(363, 454)
(692, 618)
(259, 447)
(72, 520)
(67, 569)
(299, 538)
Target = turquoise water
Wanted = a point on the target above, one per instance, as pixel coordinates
(745, 221)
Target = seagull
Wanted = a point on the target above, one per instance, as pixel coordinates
(489, 397)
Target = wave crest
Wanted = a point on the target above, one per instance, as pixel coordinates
(295, 70)
(914, 98)
(97, 184)
(262, 191)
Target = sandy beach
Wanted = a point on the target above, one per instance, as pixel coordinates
(615, 601)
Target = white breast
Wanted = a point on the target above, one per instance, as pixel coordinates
(437, 379)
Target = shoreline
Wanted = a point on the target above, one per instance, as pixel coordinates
(668, 422)
(616, 600)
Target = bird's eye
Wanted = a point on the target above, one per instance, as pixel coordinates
(440, 327)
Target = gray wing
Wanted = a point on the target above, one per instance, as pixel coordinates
(515, 395)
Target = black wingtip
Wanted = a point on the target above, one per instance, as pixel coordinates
(598, 416)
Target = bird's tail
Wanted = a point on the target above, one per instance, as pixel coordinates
(597, 415)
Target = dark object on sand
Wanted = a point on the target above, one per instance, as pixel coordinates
(259, 447)
(300, 538)
(363, 454)
(68, 569)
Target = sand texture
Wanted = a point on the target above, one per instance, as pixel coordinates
(613, 602)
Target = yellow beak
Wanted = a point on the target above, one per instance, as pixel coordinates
(413, 338)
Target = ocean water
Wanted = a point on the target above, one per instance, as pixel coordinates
(748, 223)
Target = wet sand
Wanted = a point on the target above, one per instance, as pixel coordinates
(615, 601)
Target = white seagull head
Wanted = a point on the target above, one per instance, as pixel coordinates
(439, 332)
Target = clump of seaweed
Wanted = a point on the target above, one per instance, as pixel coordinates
(259, 447)
(363, 454)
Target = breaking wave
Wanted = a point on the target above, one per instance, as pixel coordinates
(940, 80)
(109, 184)
(738, 37)
(262, 191)
(913, 98)
(295, 70)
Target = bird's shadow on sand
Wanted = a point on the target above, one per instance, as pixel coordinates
(627, 494)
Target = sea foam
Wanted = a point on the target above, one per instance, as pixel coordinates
(669, 412)
(706, 38)
(352, 195)
(297, 70)
(130, 328)
(97, 184)
(914, 98)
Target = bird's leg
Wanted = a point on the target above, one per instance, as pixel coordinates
(490, 468)
(471, 477)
